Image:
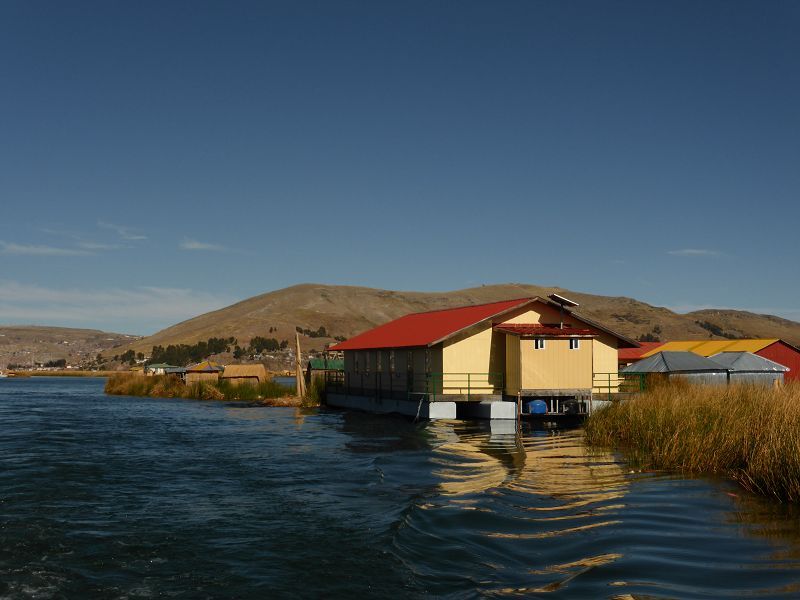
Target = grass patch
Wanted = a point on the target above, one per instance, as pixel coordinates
(747, 432)
(171, 386)
(315, 392)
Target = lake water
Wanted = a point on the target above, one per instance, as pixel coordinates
(286, 381)
(116, 497)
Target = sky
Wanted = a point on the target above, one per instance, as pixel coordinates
(162, 159)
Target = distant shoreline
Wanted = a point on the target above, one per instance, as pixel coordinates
(63, 373)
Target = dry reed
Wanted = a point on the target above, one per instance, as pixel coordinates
(171, 386)
(747, 432)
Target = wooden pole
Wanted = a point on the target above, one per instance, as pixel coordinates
(298, 368)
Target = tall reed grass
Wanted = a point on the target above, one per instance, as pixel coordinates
(170, 386)
(315, 392)
(747, 432)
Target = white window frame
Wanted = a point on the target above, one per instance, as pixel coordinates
(574, 343)
(539, 344)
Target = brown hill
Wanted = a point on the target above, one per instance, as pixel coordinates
(742, 324)
(24, 344)
(347, 310)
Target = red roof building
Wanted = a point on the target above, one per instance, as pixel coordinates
(529, 347)
(427, 328)
(627, 356)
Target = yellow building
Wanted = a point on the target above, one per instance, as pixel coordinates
(529, 347)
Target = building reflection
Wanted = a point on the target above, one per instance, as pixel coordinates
(473, 458)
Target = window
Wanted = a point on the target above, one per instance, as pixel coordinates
(366, 362)
(538, 344)
(574, 343)
(379, 361)
(355, 358)
(391, 361)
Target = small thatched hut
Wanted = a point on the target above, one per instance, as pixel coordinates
(204, 371)
(247, 374)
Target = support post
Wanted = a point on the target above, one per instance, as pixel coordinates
(298, 368)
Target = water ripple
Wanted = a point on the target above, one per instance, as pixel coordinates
(136, 498)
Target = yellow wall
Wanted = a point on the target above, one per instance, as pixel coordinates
(605, 362)
(544, 315)
(512, 365)
(556, 366)
(478, 354)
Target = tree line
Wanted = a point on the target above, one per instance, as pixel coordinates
(185, 354)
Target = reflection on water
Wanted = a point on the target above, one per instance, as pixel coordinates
(539, 513)
(138, 498)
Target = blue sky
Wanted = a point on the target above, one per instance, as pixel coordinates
(163, 159)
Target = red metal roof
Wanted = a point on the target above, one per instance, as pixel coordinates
(422, 329)
(634, 354)
(542, 330)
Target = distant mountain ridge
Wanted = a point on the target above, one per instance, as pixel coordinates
(24, 344)
(348, 310)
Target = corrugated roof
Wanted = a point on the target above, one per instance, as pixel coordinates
(426, 328)
(542, 330)
(675, 362)
(630, 354)
(432, 327)
(709, 347)
(749, 362)
(175, 370)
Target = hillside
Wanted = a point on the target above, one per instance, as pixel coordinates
(347, 310)
(24, 344)
(743, 324)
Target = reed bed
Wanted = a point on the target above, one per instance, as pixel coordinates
(170, 386)
(747, 432)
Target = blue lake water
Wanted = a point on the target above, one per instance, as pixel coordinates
(117, 497)
(287, 381)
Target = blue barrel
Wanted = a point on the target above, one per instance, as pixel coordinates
(536, 407)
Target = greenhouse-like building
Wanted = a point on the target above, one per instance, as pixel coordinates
(682, 365)
(746, 367)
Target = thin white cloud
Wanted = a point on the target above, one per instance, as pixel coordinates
(188, 244)
(144, 309)
(695, 252)
(98, 246)
(38, 250)
(80, 240)
(126, 233)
